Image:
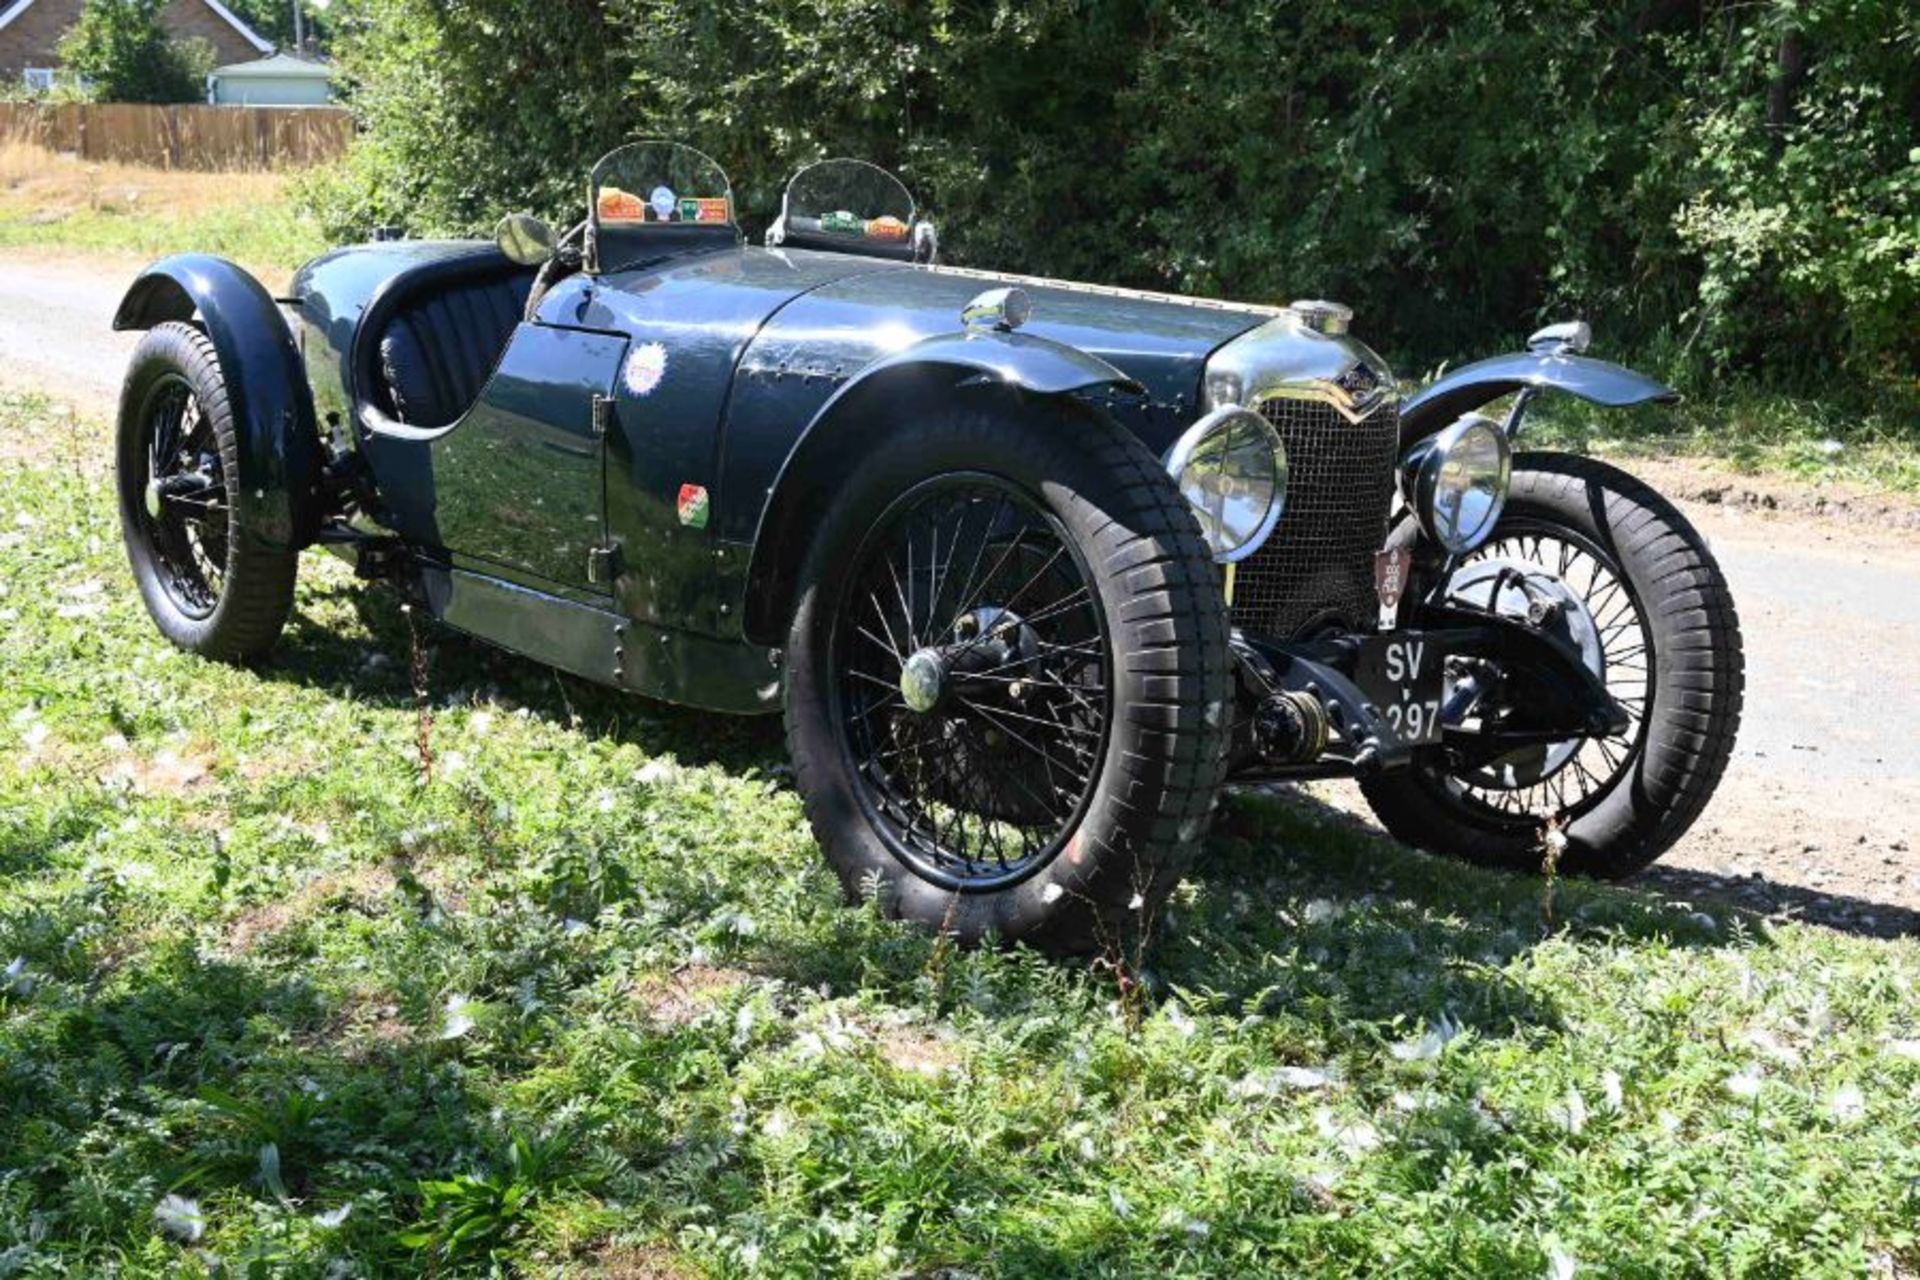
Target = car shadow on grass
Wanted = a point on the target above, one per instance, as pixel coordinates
(377, 668)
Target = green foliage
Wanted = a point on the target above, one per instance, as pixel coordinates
(1731, 185)
(120, 49)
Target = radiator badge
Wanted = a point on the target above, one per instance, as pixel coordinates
(1390, 570)
(645, 367)
(694, 507)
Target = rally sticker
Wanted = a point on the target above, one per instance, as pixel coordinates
(694, 506)
(663, 202)
(645, 367)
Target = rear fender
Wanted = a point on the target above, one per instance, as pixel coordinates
(280, 505)
(856, 415)
(1468, 388)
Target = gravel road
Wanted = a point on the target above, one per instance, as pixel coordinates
(1819, 815)
(56, 329)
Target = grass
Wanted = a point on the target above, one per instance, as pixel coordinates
(1754, 430)
(587, 1002)
(50, 201)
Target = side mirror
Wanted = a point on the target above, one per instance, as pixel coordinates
(1569, 337)
(525, 239)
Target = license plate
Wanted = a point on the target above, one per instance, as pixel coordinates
(1405, 676)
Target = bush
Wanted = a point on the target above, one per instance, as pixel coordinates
(1732, 185)
(120, 50)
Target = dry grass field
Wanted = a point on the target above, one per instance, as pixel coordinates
(59, 203)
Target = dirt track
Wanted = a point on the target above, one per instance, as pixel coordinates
(1820, 813)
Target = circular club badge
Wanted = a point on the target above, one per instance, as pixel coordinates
(664, 202)
(644, 368)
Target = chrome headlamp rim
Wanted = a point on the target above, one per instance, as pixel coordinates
(1180, 455)
(1420, 472)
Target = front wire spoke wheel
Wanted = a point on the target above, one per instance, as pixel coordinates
(1616, 573)
(212, 586)
(184, 509)
(1555, 782)
(974, 680)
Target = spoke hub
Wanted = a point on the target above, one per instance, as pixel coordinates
(923, 678)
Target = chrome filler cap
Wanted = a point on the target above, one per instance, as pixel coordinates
(1322, 316)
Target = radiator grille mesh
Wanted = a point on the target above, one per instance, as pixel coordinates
(1317, 568)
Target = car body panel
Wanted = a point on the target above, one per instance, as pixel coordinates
(716, 363)
(518, 481)
(692, 319)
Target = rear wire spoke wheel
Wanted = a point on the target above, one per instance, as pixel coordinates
(1664, 638)
(1007, 677)
(207, 585)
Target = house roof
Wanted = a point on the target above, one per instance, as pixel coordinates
(247, 33)
(281, 66)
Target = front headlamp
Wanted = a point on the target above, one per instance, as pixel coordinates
(1231, 467)
(1456, 482)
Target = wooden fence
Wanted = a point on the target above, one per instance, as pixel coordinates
(183, 137)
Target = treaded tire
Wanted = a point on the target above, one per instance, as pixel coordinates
(257, 592)
(1693, 715)
(1165, 752)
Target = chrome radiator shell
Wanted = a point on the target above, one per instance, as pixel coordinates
(1336, 406)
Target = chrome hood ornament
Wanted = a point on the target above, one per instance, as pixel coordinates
(1305, 353)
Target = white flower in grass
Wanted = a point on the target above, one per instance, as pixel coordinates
(1422, 1048)
(1354, 1137)
(1745, 1083)
(333, 1218)
(1121, 1206)
(1277, 1080)
(1561, 1265)
(1847, 1105)
(1197, 1229)
(1908, 1049)
(1179, 1020)
(1769, 1044)
(180, 1218)
(481, 722)
(653, 773)
(1322, 910)
(460, 1017)
(1571, 1114)
(1612, 1091)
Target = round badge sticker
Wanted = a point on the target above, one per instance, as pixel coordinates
(664, 202)
(645, 367)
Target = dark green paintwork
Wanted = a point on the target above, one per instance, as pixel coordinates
(756, 342)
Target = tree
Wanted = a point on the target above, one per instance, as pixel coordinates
(122, 51)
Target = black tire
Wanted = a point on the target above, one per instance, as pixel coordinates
(1150, 588)
(1689, 713)
(209, 589)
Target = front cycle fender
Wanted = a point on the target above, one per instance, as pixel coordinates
(280, 505)
(1598, 382)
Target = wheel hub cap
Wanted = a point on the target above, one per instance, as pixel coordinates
(922, 679)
